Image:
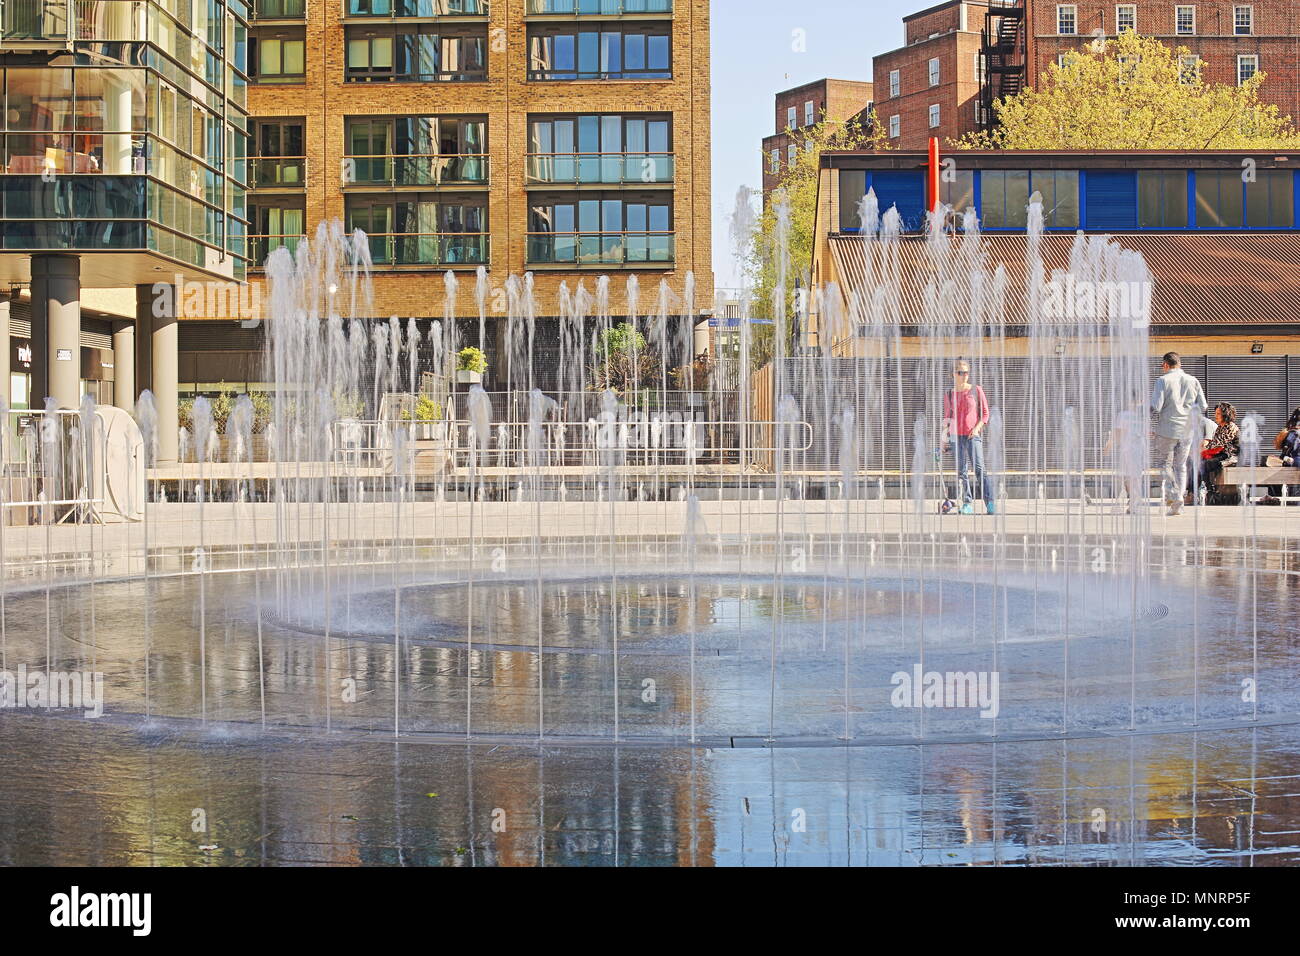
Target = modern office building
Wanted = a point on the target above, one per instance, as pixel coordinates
(1227, 42)
(566, 138)
(833, 101)
(123, 167)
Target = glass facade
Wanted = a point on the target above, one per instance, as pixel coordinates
(136, 141)
(416, 151)
(413, 229)
(601, 230)
(423, 53)
(618, 53)
(611, 148)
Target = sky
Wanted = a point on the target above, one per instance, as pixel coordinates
(755, 57)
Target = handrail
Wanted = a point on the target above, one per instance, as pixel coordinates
(608, 8)
(580, 163)
(437, 170)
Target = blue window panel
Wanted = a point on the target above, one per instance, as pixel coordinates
(1111, 199)
(903, 189)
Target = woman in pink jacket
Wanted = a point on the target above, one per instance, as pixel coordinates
(966, 415)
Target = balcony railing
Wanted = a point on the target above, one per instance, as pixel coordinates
(268, 171)
(428, 249)
(600, 168)
(390, 9)
(261, 246)
(426, 169)
(478, 75)
(279, 9)
(597, 8)
(601, 248)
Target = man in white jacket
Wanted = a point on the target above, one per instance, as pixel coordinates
(1178, 401)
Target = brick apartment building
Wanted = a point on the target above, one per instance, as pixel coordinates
(835, 101)
(564, 138)
(931, 85)
(1232, 41)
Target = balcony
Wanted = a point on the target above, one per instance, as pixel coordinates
(599, 169)
(598, 8)
(32, 23)
(261, 246)
(460, 169)
(277, 172)
(429, 249)
(601, 249)
(415, 9)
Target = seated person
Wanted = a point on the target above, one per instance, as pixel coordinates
(1221, 450)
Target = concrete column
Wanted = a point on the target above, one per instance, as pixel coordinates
(6, 349)
(124, 365)
(56, 330)
(158, 362)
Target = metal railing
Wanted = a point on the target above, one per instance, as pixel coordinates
(415, 8)
(261, 246)
(601, 248)
(34, 20)
(50, 472)
(588, 168)
(428, 249)
(598, 8)
(279, 9)
(420, 169)
(266, 171)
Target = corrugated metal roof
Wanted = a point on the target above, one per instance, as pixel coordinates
(1201, 279)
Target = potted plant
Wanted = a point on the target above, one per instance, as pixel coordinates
(428, 413)
(471, 363)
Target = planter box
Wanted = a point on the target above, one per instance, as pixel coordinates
(465, 376)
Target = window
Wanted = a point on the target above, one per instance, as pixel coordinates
(934, 116)
(1005, 197)
(620, 53)
(959, 193)
(853, 186)
(808, 113)
(1067, 19)
(1185, 20)
(1162, 199)
(600, 148)
(415, 53)
(934, 71)
(1189, 68)
(1063, 60)
(417, 8)
(979, 68)
(774, 163)
(1243, 21)
(791, 154)
(600, 228)
(1247, 66)
(1126, 17)
(1219, 199)
(278, 59)
(791, 120)
(1270, 200)
(894, 84)
(416, 150)
(278, 153)
(420, 228)
(894, 126)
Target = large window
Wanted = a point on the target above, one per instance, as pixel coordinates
(278, 153)
(598, 7)
(278, 58)
(608, 148)
(1005, 196)
(895, 126)
(1243, 21)
(601, 230)
(1219, 199)
(1162, 199)
(415, 150)
(895, 83)
(424, 53)
(421, 229)
(561, 53)
(934, 71)
(934, 116)
(1126, 17)
(1185, 20)
(1270, 200)
(275, 224)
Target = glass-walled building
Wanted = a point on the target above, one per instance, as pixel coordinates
(123, 160)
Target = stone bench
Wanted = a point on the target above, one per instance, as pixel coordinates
(1262, 476)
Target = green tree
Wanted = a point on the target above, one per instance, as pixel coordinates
(621, 360)
(794, 200)
(1134, 92)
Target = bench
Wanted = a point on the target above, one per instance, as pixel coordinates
(1259, 477)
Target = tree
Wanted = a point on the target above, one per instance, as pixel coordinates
(1134, 92)
(796, 195)
(621, 362)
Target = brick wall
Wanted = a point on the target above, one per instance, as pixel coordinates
(956, 93)
(507, 98)
(834, 100)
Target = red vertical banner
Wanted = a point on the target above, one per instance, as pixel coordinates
(933, 177)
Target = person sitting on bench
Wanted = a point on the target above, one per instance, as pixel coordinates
(1221, 450)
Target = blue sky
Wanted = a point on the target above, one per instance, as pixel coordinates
(754, 58)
